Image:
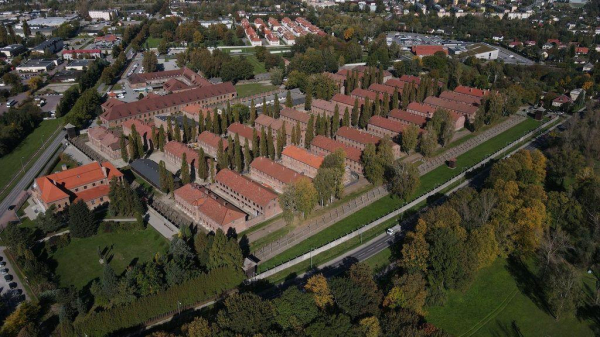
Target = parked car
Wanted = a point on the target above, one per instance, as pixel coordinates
(4, 271)
(2, 263)
(12, 285)
(8, 278)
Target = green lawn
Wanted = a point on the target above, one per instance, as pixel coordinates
(153, 42)
(259, 67)
(386, 204)
(77, 264)
(494, 306)
(10, 164)
(244, 90)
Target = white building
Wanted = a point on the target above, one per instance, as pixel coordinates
(105, 15)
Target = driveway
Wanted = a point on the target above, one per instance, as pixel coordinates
(19, 98)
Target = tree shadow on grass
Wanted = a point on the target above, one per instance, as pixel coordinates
(503, 329)
(589, 310)
(528, 283)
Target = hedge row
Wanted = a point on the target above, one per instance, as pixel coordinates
(146, 308)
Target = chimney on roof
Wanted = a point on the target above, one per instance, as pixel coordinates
(104, 171)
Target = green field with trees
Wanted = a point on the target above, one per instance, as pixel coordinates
(77, 263)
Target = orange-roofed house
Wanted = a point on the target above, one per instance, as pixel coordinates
(208, 209)
(324, 146)
(360, 139)
(407, 118)
(193, 111)
(246, 194)
(293, 116)
(461, 89)
(243, 131)
(301, 160)
(381, 127)
(423, 50)
(174, 151)
(321, 106)
(209, 142)
(273, 175)
(89, 183)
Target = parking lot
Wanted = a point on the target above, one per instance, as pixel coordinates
(16, 294)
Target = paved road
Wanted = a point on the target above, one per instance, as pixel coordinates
(383, 241)
(32, 173)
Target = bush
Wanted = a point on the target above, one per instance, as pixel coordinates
(189, 293)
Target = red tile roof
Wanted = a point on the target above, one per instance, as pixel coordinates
(209, 204)
(462, 108)
(246, 187)
(423, 50)
(275, 170)
(177, 150)
(303, 156)
(242, 130)
(141, 127)
(366, 93)
(331, 145)
(394, 82)
(105, 136)
(163, 102)
(56, 186)
(93, 193)
(345, 99)
(382, 88)
(324, 105)
(212, 140)
(420, 107)
(461, 89)
(196, 109)
(408, 117)
(295, 115)
(387, 124)
(410, 79)
(462, 98)
(175, 85)
(357, 135)
(562, 99)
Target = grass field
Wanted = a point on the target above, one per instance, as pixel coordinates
(386, 204)
(77, 264)
(153, 42)
(10, 164)
(494, 306)
(259, 67)
(245, 90)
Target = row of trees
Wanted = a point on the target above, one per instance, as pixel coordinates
(16, 124)
(348, 305)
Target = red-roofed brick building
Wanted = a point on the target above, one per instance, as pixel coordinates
(208, 209)
(301, 161)
(89, 183)
(381, 127)
(209, 142)
(360, 139)
(321, 106)
(145, 109)
(193, 111)
(247, 195)
(243, 131)
(466, 110)
(174, 152)
(383, 89)
(273, 175)
(143, 129)
(461, 89)
(106, 140)
(407, 118)
(294, 116)
(345, 101)
(323, 146)
(461, 98)
(420, 109)
(364, 94)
